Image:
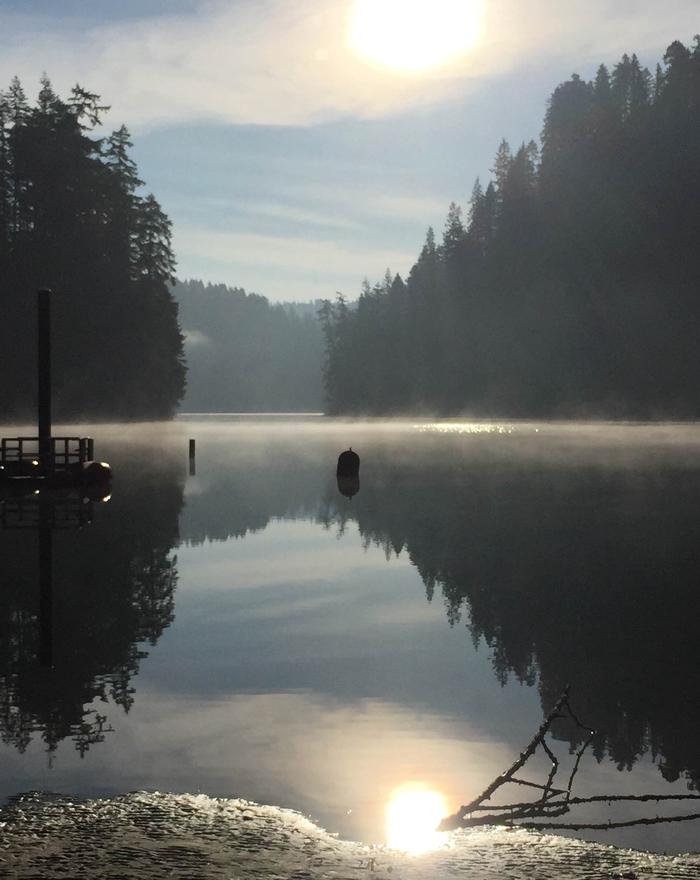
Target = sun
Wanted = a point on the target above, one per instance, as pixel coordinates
(414, 35)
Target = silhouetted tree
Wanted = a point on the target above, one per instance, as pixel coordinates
(572, 288)
(71, 219)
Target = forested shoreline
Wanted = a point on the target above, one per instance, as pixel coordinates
(570, 289)
(72, 218)
(245, 354)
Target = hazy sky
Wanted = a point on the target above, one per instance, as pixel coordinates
(292, 164)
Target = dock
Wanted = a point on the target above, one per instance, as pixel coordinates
(44, 461)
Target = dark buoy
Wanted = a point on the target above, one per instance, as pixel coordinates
(348, 464)
(96, 472)
(348, 486)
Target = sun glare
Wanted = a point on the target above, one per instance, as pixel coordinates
(414, 35)
(412, 815)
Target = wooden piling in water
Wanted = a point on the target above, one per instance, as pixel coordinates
(44, 377)
(193, 464)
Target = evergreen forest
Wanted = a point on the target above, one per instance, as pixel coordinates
(72, 218)
(246, 355)
(570, 287)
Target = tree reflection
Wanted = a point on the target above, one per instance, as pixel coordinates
(580, 571)
(586, 576)
(113, 586)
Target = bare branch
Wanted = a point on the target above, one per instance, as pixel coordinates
(607, 826)
(456, 821)
(553, 801)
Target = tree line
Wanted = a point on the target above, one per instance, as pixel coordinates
(245, 354)
(570, 288)
(73, 218)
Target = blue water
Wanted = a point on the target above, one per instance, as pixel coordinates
(248, 631)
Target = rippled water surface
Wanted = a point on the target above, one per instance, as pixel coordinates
(248, 631)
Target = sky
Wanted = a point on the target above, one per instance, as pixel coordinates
(299, 146)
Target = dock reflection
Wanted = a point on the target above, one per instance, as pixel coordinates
(83, 583)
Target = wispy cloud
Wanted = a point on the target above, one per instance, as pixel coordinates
(359, 203)
(287, 61)
(302, 216)
(270, 62)
(295, 255)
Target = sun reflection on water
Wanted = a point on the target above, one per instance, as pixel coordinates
(412, 815)
(464, 428)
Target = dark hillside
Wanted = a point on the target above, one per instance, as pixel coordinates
(245, 354)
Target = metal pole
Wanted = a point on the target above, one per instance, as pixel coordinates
(44, 377)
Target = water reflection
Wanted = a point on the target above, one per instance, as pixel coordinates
(575, 575)
(412, 815)
(305, 672)
(79, 594)
(574, 556)
(348, 486)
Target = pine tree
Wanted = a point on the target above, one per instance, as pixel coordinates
(154, 258)
(602, 86)
(501, 166)
(71, 219)
(454, 234)
(482, 217)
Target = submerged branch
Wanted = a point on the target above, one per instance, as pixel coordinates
(607, 826)
(553, 801)
(457, 820)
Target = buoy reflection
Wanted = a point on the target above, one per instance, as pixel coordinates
(412, 815)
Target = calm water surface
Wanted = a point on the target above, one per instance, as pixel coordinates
(249, 631)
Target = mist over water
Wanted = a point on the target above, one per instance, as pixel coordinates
(275, 640)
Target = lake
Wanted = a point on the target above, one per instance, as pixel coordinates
(249, 631)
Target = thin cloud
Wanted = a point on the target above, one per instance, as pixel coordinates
(365, 203)
(344, 209)
(288, 252)
(287, 62)
(300, 215)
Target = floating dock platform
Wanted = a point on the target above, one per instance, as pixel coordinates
(46, 462)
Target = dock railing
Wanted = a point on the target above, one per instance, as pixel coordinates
(62, 514)
(64, 451)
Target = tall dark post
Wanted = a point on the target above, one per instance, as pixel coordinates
(44, 371)
(193, 463)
